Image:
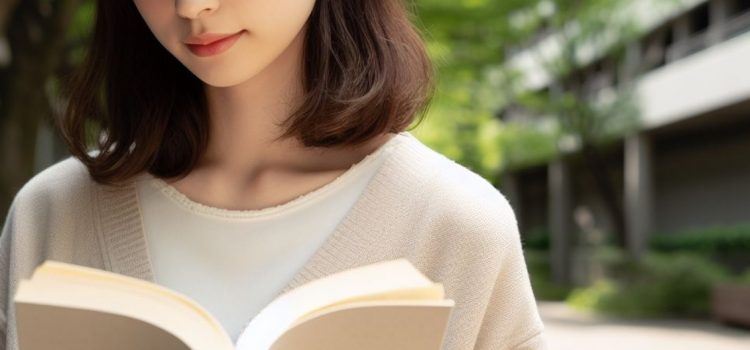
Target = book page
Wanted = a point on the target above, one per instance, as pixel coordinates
(74, 289)
(44, 327)
(372, 325)
(375, 279)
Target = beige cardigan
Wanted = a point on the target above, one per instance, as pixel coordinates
(449, 222)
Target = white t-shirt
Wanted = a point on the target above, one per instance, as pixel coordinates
(239, 259)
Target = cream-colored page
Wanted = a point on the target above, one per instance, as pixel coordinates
(373, 279)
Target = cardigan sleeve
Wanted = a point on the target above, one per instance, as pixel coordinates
(5, 240)
(477, 244)
(511, 320)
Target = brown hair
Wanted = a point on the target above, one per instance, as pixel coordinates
(365, 73)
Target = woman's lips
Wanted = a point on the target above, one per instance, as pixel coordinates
(215, 47)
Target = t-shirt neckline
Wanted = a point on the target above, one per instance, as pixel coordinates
(195, 207)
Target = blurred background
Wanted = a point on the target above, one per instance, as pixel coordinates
(619, 130)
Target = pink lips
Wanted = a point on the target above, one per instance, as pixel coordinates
(214, 47)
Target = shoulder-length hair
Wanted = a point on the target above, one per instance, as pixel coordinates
(365, 73)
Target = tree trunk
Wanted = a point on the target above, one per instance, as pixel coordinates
(37, 35)
(603, 184)
(6, 8)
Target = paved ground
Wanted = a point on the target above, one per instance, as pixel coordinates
(568, 329)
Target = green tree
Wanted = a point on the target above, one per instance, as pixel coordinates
(586, 33)
(43, 37)
(465, 38)
(475, 42)
(586, 42)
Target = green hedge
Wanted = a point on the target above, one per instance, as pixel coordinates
(661, 284)
(537, 238)
(538, 264)
(713, 240)
(710, 240)
(744, 278)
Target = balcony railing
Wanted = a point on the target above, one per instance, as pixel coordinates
(737, 25)
(688, 46)
(711, 36)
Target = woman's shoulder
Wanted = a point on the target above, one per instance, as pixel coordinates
(467, 187)
(62, 182)
(471, 200)
(457, 187)
(461, 200)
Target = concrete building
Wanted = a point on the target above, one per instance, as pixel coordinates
(687, 166)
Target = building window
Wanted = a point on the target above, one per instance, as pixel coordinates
(740, 7)
(698, 22)
(655, 49)
(699, 19)
(739, 18)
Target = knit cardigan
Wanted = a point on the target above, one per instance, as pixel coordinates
(452, 224)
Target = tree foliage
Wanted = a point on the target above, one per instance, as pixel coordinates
(39, 45)
(465, 38)
(478, 46)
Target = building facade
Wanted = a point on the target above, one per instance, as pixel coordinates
(687, 166)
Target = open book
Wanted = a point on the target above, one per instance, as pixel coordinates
(386, 305)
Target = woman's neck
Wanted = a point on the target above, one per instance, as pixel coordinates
(242, 157)
(244, 118)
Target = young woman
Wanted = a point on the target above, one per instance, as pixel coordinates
(250, 146)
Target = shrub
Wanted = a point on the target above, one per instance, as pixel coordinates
(538, 264)
(712, 240)
(744, 278)
(536, 239)
(673, 284)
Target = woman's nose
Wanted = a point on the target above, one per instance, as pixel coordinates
(195, 8)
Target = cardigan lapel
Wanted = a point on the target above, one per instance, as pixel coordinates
(120, 231)
(359, 239)
(352, 243)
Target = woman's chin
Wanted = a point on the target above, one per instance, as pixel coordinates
(224, 77)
